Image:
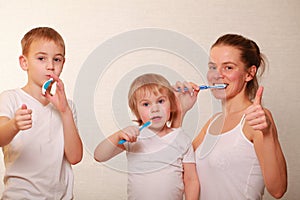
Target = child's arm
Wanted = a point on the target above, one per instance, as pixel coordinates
(9, 128)
(73, 145)
(191, 181)
(72, 142)
(109, 147)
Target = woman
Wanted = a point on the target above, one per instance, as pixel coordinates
(237, 150)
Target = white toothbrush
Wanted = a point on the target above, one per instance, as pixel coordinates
(46, 85)
(204, 87)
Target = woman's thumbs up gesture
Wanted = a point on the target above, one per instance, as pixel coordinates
(256, 115)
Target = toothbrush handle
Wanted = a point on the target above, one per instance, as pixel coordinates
(140, 129)
(203, 87)
(122, 141)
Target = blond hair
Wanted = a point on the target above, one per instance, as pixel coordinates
(44, 33)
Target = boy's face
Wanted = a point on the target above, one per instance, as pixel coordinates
(44, 58)
(155, 108)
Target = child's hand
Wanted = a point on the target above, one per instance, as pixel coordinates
(23, 120)
(59, 99)
(256, 115)
(129, 134)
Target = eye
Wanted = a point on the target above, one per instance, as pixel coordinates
(58, 59)
(145, 104)
(41, 58)
(212, 67)
(228, 67)
(161, 101)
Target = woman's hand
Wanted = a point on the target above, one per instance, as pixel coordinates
(256, 115)
(186, 94)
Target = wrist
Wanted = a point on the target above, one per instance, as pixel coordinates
(14, 126)
(66, 111)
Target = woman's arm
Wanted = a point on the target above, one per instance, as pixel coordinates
(186, 99)
(191, 181)
(262, 129)
(271, 159)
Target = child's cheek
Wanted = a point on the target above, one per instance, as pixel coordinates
(145, 114)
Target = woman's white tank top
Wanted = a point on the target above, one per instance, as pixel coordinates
(228, 167)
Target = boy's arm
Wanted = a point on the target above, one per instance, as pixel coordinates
(9, 128)
(191, 181)
(72, 142)
(109, 147)
(73, 145)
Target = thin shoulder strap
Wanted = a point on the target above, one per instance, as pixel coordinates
(242, 122)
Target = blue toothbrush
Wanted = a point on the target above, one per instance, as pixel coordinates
(204, 87)
(148, 123)
(46, 85)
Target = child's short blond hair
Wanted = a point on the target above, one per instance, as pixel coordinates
(146, 84)
(44, 33)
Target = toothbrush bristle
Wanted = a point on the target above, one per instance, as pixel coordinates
(46, 85)
(221, 85)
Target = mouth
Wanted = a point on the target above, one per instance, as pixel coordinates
(155, 118)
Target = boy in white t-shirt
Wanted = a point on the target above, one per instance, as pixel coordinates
(38, 133)
(161, 163)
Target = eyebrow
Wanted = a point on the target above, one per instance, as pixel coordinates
(44, 53)
(158, 97)
(225, 63)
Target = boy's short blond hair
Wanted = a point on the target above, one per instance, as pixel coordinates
(155, 83)
(44, 33)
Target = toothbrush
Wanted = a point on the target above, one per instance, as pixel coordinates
(204, 87)
(46, 85)
(148, 123)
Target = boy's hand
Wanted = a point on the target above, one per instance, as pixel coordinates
(23, 118)
(59, 99)
(129, 134)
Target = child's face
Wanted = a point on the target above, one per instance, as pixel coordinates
(226, 66)
(155, 108)
(44, 58)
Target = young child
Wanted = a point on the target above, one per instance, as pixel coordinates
(38, 133)
(161, 160)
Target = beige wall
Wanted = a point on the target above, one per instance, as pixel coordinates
(275, 25)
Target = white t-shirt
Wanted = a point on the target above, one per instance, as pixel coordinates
(35, 164)
(155, 165)
(228, 167)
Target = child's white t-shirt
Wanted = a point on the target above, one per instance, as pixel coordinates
(35, 164)
(155, 165)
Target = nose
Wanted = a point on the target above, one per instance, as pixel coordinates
(154, 108)
(50, 66)
(219, 73)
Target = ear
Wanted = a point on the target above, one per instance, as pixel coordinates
(251, 73)
(23, 62)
